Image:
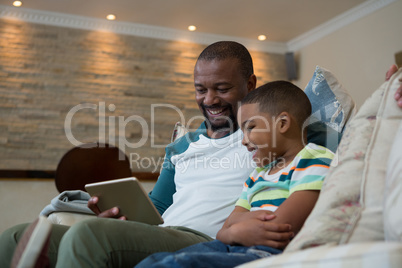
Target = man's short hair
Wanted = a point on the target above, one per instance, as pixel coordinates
(281, 96)
(223, 50)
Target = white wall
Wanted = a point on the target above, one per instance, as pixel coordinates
(359, 54)
(22, 200)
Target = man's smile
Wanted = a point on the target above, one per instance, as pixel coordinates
(215, 111)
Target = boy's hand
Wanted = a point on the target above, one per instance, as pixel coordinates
(254, 231)
(254, 228)
(110, 213)
(262, 215)
(242, 214)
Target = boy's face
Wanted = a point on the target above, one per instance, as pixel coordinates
(260, 134)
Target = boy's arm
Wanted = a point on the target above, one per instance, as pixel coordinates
(295, 209)
(254, 228)
(264, 228)
(240, 213)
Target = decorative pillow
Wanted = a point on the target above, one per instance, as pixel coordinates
(393, 191)
(178, 131)
(370, 225)
(330, 101)
(349, 208)
(321, 134)
(332, 107)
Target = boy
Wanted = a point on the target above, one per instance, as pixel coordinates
(283, 188)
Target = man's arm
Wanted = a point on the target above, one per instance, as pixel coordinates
(162, 193)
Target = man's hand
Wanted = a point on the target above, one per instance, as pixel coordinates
(110, 213)
(398, 94)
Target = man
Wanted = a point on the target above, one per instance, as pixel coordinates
(205, 167)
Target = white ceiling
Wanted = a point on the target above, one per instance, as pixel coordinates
(280, 20)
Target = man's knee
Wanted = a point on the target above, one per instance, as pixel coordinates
(11, 236)
(8, 242)
(80, 230)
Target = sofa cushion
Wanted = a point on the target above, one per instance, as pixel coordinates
(178, 131)
(349, 208)
(332, 107)
(330, 101)
(393, 191)
(362, 255)
(369, 227)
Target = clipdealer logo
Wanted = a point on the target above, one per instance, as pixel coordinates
(119, 139)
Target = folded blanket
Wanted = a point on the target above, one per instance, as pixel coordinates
(68, 201)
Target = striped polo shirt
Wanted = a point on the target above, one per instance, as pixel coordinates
(306, 172)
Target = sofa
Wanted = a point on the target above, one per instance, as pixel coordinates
(357, 221)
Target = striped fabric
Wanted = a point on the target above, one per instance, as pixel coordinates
(305, 172)
(359, 255)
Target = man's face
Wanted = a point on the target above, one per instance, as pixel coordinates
(219, 86)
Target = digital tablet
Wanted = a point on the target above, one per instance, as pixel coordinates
(129, 196)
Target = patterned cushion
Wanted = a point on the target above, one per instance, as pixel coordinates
(370, 227)
(178, 131)
(332, 108)
(349, 208)
(330, 101)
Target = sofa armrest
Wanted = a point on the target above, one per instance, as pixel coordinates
(68, 218)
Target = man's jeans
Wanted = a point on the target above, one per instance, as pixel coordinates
(209, 254)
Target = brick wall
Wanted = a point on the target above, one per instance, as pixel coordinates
(46, 71)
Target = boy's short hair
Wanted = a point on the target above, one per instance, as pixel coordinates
(223, 50)
(281, 96)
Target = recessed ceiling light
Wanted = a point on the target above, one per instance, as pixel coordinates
(17, 3)
(111, 17)
(262, 37)
(192, 28)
